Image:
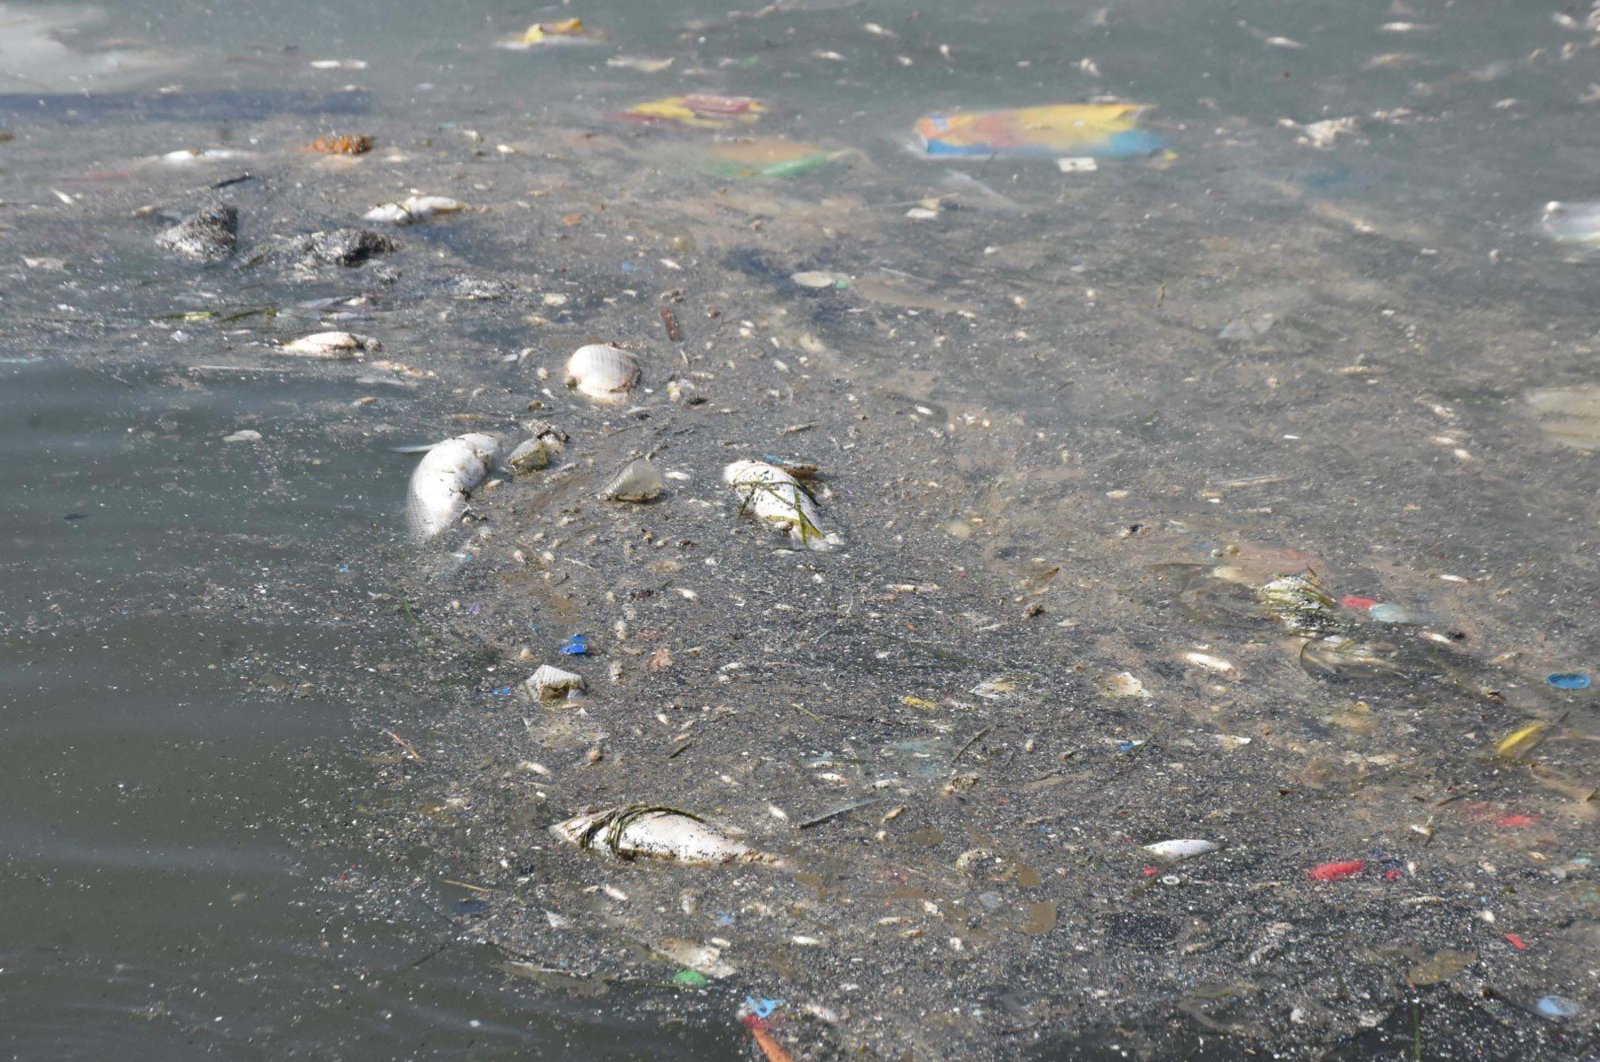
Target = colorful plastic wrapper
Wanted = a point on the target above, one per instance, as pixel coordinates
(1104, 130)
(700, 111)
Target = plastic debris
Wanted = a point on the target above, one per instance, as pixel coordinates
(1103, 130)
(1178, 850)
(1572, 222)
(1339, 871)
(1556, 1007)
(1569, 680)
(1568, 415)
(768, 156)
(1245, 328)
(553, 684)
(414, 208)
(776, 498)
(437, 495)
(602, 372)
(699, 111)
(1439, 967)
(690, 979)
(1399, 615)
(762, 1008)
(1520, 742)
(562, 31)
(704, 959)
(820, 278)
(639, 481)
(332, 346)
(631, 830)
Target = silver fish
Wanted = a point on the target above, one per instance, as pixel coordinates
(332, 346)
(631, 830)
(413, 208)
(444, 477)
(776, 498)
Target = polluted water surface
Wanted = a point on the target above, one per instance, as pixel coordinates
(917, 531)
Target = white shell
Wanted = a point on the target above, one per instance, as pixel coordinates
(776, 498)
(413, 208)
(638, 482)
(552, 684)
(438, 492)
(659, 834)
(1175, 850)
(332, 346)
(603, 372)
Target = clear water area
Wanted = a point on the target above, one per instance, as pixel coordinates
(178, 753)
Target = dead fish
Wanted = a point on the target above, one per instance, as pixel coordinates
(1175, 851)
(602, 372)
(776, 498)
(332, 346)
(632, 830)
(413, 208)
(552, 684)
(443, 479)
(638, 482)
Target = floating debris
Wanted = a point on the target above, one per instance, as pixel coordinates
(414, 208)
(443, 480)
(1338, 871)
(1178, 850)
(1571, 222)
(332, 346)
(337, 144)
(658, 832)
(821, 279)
(537, 452)
(603, 372)
(553, 684)
(698, 110)
(638, 482)
(775, 497)
(1124, 684)
(577, 645)
(1106, 130)
(208, 235)
(1568, 415)
(1299, 602)
(1569, 680)
(768, 157)
(1520, 742)
(190, 156)
(703, 959)
(563, 31)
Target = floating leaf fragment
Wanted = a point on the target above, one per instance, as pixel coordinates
(1441, 966)
(1518, 743)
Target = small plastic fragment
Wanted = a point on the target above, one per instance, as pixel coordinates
(1555, 1007)
(553, 684)
(577, 645)
(1338, 871)
(413, 208)
(699, 110)
(690, 979)
(1569, 680)
(1517, 942)
(638, 482)
(334, 144)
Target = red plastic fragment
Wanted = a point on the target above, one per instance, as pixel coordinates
(1360, 604)
(1151, 871)
(1517, 942)
(1393, 874)
(1349, 868)
(1516, 822)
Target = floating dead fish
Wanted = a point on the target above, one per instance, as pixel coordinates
(552, 684)
(332, 346)
(602, 372)
(633, 830)
(701, 958)
(439, 487)
(1177, 850)
(775, 497)
(413, 209)
(638, 482)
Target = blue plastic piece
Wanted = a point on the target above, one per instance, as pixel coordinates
(1569, 680)
(762, 1008)
(1550, 1007)
(577, 645)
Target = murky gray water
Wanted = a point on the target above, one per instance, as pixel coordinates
(1116, 395)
